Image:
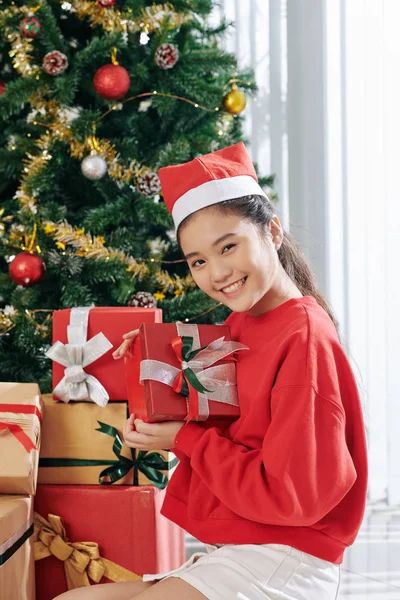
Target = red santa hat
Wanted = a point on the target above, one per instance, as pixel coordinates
(222, 175)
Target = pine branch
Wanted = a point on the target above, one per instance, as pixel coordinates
(16, 95)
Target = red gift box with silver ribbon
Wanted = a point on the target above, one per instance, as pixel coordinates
(183, 372)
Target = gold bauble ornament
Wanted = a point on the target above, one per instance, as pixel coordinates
(235, 101)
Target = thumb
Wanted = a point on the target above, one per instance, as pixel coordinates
(129, 425)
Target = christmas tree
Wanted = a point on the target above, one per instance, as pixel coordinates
(95, 97)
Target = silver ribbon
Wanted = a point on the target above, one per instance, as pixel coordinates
(220, 380)
(77, 354)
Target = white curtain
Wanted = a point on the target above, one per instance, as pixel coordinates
(258, 40)
(372, 132)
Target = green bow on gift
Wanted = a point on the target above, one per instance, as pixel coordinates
(183, 348)
(148, 463)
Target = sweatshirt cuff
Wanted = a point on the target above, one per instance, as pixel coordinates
(187, 438)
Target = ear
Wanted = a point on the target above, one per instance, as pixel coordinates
(276, 231)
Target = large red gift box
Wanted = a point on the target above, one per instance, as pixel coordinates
(156, 401)
(113, 322)
(125, 522)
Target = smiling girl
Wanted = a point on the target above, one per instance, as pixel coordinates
(279, 494)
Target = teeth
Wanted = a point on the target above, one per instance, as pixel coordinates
(234, 286)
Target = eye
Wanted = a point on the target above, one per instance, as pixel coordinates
(196, 263)
(229, 246)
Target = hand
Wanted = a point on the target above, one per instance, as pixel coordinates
(150, 436)
(128, 340)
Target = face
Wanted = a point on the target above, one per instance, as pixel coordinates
(229, 259)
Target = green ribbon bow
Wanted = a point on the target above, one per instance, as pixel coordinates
(183, 348)
(148, 463)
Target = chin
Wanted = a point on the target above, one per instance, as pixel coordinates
(240, 305)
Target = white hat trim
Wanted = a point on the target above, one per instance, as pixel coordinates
(213, 192)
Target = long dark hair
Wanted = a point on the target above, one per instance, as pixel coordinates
(259, 210)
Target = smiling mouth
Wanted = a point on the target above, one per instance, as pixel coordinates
(233, 287)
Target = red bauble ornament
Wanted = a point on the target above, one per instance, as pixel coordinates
(30, 27)
(111, 82)
(26, 269)
(105, 3)
(2, 87)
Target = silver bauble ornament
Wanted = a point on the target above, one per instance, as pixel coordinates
(94, 167)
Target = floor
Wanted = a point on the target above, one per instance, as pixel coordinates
(371, 569)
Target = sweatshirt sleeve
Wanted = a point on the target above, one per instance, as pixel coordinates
(301, 472)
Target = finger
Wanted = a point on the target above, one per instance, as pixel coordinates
(147, 428)
(135, 439)
(130, 423)
(128, 428)
(131, 335)
(122, 349)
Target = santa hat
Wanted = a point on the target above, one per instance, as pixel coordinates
(222, 175)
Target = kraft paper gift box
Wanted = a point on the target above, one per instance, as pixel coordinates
(84, 339)
(187, 372)
(119, 524)
(82, 444)
(17, 573)
(20, 427)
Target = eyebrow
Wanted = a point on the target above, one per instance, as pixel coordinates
(218, 241)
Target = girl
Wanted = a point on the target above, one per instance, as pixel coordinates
(278, 494)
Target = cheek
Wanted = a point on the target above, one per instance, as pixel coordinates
(261, 261)
(200, 279)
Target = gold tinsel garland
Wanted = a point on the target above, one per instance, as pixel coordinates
(9, 316)
(112, 19)
(89, 246)
(21, 47)
(59, 130)
(4, 220)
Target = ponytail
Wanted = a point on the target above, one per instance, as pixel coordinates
(293, 261)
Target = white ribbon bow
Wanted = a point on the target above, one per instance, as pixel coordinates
(77, 354)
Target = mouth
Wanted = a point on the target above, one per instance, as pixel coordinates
(232, 288)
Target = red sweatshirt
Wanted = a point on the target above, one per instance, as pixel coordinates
(293, 468)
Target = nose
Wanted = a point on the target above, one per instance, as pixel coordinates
(220, 273)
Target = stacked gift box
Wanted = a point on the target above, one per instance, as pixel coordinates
(97, 504)
(21, 415)
(99, 499)
(96, 514)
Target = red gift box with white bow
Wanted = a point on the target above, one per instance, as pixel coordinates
(84, 339)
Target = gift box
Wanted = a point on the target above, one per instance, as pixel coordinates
(83, 341)
(118, 525)
(82, 444)
(20, 427)
(182, 372)
(17, 573)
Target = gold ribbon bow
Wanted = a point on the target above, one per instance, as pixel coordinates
(82, 560)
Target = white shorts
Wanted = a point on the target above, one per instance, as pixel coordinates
(258, 572)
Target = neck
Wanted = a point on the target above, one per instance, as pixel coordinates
(279, 293)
